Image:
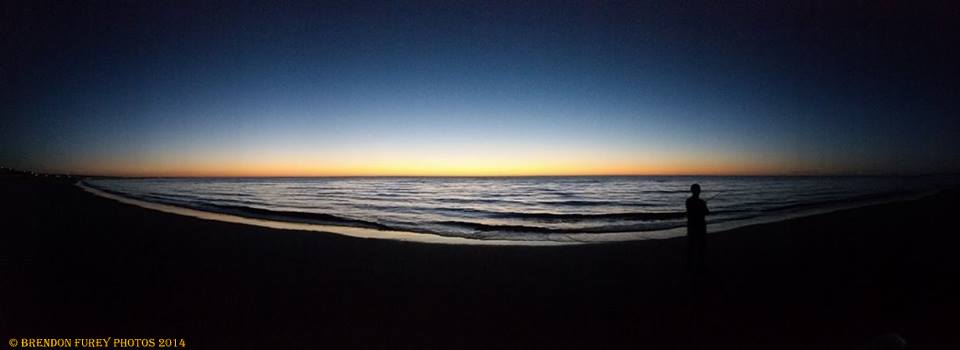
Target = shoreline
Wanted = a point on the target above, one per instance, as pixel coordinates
(82, 266)
(551, 239)
(355, 232)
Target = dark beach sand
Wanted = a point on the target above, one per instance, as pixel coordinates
(75, 265)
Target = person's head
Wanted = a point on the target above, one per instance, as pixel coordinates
(695, 189)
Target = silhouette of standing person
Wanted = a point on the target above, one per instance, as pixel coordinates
(696, 230)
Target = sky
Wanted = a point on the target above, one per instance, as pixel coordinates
(278, 88)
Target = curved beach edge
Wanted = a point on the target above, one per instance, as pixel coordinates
(550, 240)
(357, 232)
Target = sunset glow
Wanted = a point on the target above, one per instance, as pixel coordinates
(375, 90)
(400, 163)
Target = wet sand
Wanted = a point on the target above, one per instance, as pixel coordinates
(76, 265)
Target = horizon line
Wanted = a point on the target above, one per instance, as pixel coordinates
(846, 174)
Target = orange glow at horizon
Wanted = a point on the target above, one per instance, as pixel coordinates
(476, 165)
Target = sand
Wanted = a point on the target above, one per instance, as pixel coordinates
(75, 265)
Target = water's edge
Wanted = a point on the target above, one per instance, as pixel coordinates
(356, 232)
(550, 240)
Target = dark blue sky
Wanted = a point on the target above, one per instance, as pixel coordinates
(298, 88)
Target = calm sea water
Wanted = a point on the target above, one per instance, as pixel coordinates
(522, 208)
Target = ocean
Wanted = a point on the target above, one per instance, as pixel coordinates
(576, 208)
